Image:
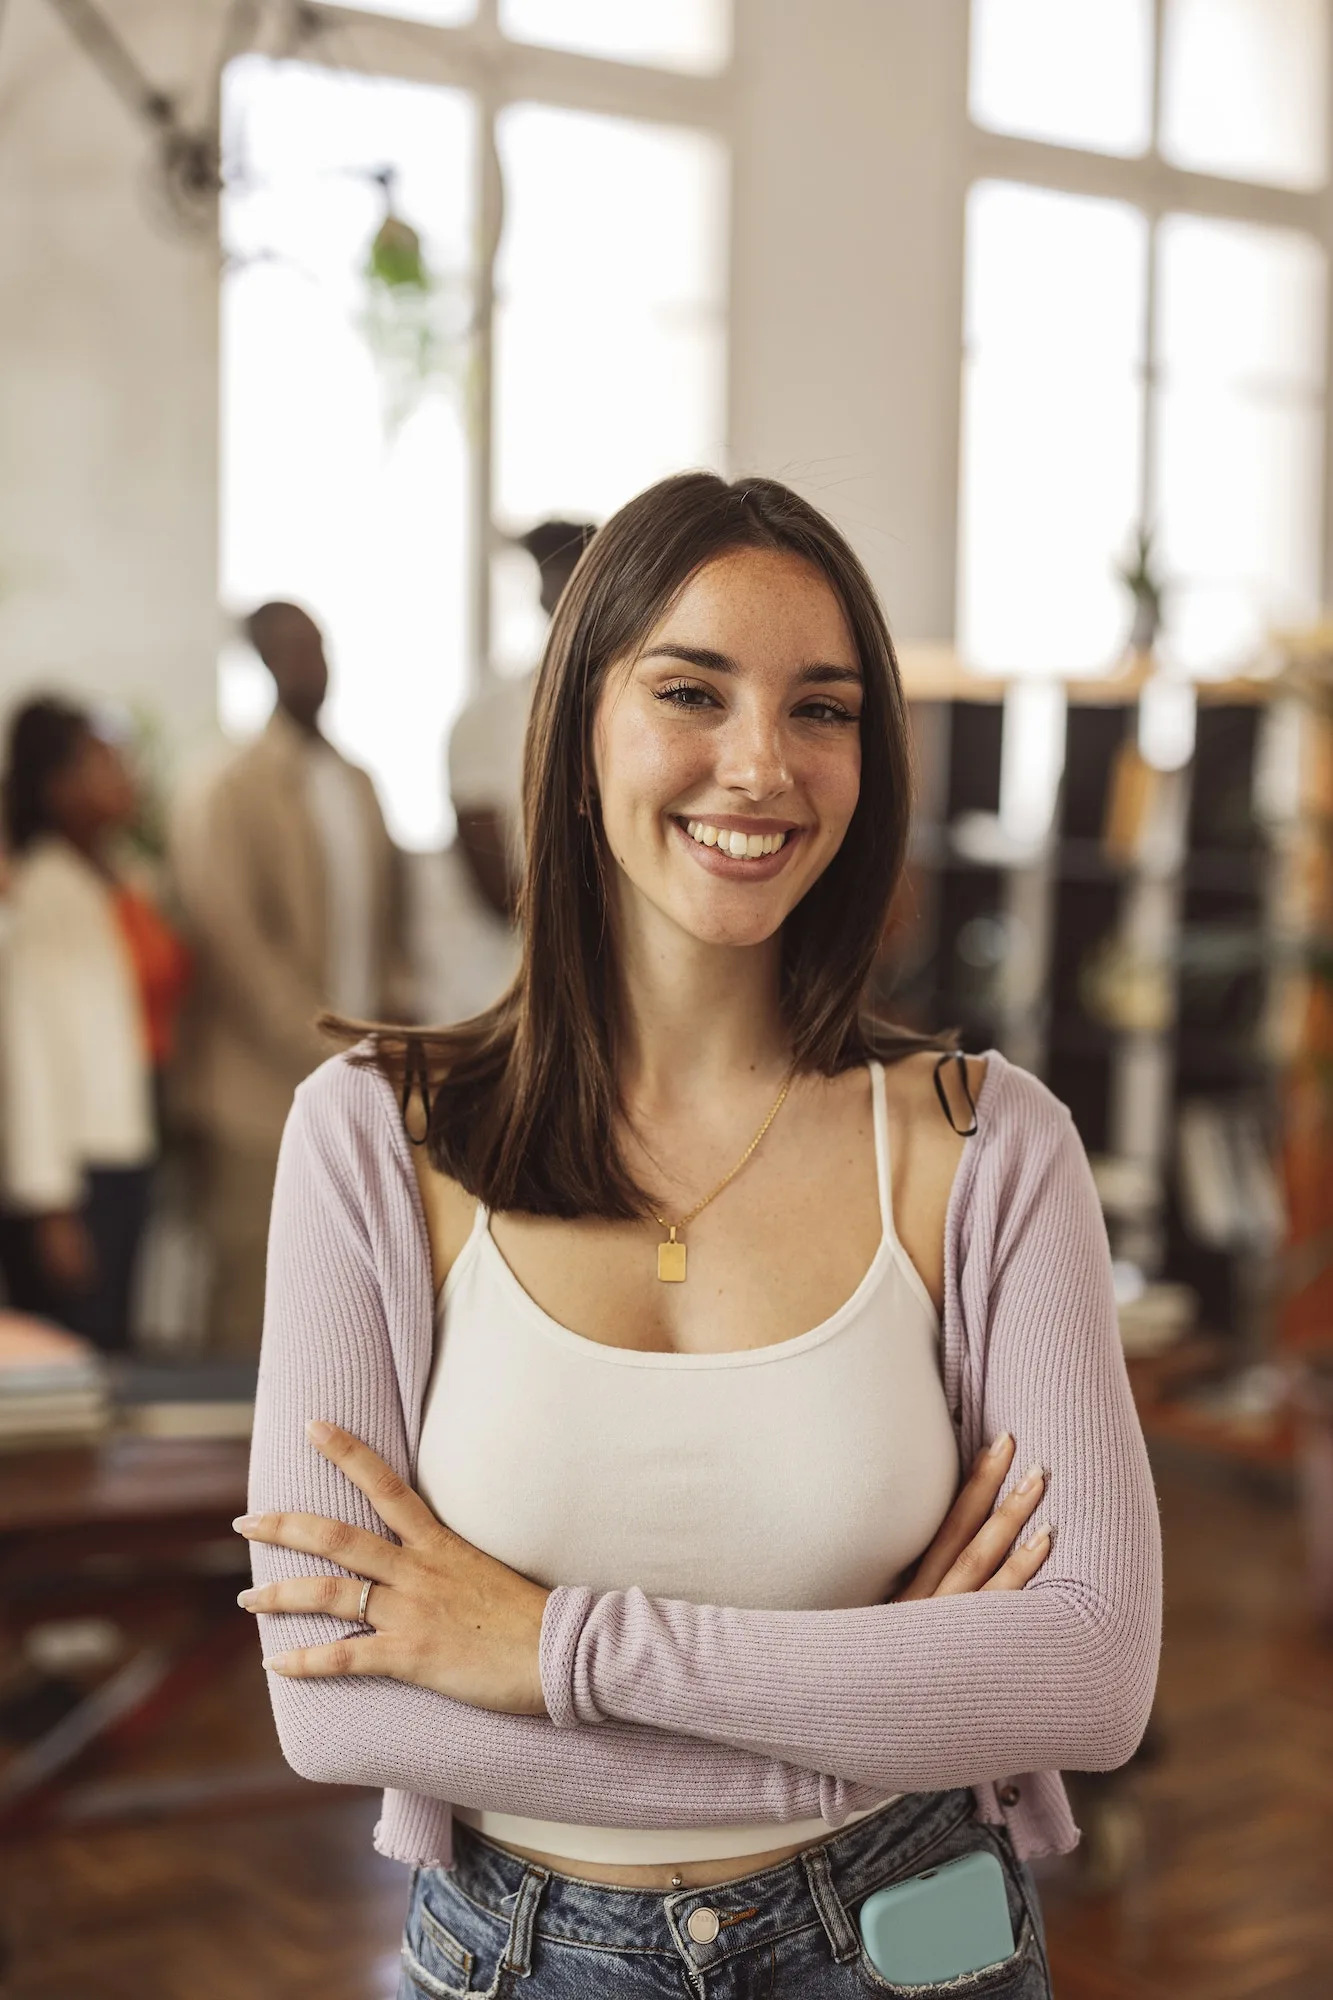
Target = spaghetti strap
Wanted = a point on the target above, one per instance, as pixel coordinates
(883, 1158)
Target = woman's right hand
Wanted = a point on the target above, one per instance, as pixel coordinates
(971, 1550)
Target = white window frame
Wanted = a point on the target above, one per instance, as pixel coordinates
(1157, 188)
(477, 57)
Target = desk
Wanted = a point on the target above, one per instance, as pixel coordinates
(134, 1529)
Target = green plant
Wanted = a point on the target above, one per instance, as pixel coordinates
(415, 320)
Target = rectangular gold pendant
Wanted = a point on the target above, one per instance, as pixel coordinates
(671, 1263)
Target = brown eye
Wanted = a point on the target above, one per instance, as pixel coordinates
(827, 711)
(685, 694)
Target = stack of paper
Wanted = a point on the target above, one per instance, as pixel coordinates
(53, 1387)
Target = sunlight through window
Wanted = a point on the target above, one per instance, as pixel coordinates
(344, 427)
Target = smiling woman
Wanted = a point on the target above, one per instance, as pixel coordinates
(661, 1608)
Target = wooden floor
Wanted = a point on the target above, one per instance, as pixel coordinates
(1230, 1893)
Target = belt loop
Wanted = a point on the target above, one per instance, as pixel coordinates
(842, 1938)
(518, 1951)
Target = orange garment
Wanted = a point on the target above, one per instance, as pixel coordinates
(162, 968)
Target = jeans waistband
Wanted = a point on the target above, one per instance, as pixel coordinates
(814, 1886)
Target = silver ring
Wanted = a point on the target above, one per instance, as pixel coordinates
(366, 1589)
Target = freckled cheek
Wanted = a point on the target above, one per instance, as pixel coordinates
(833, 784)
(644, 774)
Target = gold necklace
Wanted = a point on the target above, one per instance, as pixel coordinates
(671, 1254)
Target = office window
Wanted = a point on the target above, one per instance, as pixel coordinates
(609, 334)
(674, 34)
(374, 461)
(1245, 89)
(1239, 416)
(1052, 426)
(324, 497)
(1084, 424)
(1073, 72)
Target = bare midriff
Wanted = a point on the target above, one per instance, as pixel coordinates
(658, 1876)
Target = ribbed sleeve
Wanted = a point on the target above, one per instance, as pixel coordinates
(348, 1337)
(952, 1691)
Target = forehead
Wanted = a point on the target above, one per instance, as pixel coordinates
(764, 601)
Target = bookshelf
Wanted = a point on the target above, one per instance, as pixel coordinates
(1144, 957)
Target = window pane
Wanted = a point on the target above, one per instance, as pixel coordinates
(609, 355)
(1239, 435)
(673, 34)
(1245, 89)
(1240, 305)
(1052, 416)
(323, 498)
(1074, 72)
(440, 13)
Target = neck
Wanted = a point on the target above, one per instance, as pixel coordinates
(91, 843)
(307, 724)
(696, 1018)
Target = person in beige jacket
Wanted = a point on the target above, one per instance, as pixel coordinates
(294, 899)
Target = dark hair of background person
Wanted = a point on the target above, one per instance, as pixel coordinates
(555, 547)
(44, 737)
(523, 1099)
(556, 541)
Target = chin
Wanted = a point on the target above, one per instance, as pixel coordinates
(739, 929)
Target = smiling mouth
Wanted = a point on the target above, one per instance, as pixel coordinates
(730, 841)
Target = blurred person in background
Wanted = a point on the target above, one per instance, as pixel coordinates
(293, 893)
(91, 978)
(486, 744)
(478, 947)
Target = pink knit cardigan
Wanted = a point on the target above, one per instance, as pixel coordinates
(669, 1714)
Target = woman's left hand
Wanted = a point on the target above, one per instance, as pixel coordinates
(442, 1614)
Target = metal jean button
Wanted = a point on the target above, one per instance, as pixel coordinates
(703, 1925)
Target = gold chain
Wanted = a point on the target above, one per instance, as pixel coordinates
(727, 1179)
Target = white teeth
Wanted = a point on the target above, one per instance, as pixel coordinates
(742, 846)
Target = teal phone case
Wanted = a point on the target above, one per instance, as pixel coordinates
(940, 1924)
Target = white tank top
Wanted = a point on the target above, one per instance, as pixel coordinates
(805, 1475)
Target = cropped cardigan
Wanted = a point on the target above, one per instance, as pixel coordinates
(665, 1713)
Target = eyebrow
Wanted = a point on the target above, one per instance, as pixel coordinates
(818, 673)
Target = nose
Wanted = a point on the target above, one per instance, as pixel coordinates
(753, 759)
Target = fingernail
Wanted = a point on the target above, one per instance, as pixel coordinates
(246, 1598)
(244, 1522)
(1032, 1477)
(1035, 1541)
(998, 1444)
(277, 1663)
(318, 1431)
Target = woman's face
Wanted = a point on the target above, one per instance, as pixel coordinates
(727, 753)
(93, 792)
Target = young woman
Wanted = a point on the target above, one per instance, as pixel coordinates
(91, 977)
(689, 1638)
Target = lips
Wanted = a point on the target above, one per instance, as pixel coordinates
(744, 850)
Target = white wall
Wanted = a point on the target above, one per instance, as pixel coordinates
(847, 276)
(108, 456)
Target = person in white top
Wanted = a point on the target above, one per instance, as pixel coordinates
(294, 896)
(478, 947)
(76, 1057)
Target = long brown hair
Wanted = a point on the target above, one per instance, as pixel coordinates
(523, 1100)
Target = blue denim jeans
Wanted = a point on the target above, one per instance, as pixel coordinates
(494, 1925)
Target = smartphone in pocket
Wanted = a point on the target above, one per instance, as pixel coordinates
(939, 1924)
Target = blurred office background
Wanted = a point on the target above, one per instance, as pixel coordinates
(378, 310)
